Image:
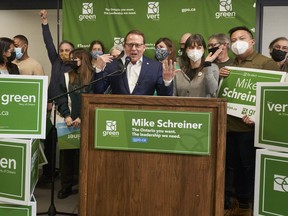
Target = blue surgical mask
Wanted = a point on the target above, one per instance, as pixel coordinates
(161, 54)
(95, 54)
(19, 53)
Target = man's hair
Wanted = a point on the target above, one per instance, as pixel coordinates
(221, 38)
(67, 42)
(137, 32)
(276, 40)
(244, 28)
(22, 38)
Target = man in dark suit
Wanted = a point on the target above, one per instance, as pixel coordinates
(140, 76)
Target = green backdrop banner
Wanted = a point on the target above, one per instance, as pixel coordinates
(110, 20)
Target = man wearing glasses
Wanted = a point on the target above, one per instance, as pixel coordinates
(134, 73)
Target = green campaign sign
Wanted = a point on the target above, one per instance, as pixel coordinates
(153, 131)
(19, 210)
(23, 102)
(110, 20)
(239, 88)
(271, 120)
(18, 170)
(271, 183)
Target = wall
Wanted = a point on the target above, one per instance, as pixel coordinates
(28, 23)
(274, 25)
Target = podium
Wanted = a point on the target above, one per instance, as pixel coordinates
(144, 183)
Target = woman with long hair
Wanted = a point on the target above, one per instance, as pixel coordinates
(69, 107)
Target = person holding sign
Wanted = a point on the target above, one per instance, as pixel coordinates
(69, 106)
(240, 150)
(198, 76)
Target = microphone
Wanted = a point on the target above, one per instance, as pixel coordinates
(127, 61)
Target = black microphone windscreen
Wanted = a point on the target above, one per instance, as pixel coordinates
(127, 60)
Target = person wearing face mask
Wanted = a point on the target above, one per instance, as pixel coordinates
(240, 131)
(279, 52)
(69, 106)
(139, 75)
(198, 76)
(59, 62)
(26, 64)
(165, 49)
(182, 41)
(214, 42)
(7, 56)
(97, 51)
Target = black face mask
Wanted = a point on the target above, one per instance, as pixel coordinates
(278, 55)
(12, 57)
(73, 65)
(213, 50)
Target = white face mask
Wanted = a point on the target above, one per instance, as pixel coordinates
(195, 54)
(239, 47)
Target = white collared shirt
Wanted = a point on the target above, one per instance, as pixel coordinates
(133, 72)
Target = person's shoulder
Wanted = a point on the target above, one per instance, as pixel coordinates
(214, 66)
(268, 63)
(32, 61)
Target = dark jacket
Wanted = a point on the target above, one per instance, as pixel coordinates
(58, 66)
(150, 80)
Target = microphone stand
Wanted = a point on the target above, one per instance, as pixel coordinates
(52, 209)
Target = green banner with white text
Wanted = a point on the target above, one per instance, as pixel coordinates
(23, 103)
(239, 88)
(110, 20)
(272, 119)
(153, 131)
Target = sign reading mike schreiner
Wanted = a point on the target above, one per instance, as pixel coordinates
(239, 88)
(153, 131)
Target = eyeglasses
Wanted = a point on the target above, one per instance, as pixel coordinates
(211, 45)
(131, 45)
(278, 47)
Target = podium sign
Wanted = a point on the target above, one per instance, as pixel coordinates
(23, 102)
(272, 118)
(153, 131)
(271, 188)
(239, 88)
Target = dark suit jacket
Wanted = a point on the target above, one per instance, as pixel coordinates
(150, 80)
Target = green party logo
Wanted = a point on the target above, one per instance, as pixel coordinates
(87, 12)
(225, 9)
(280, 183)
(118, 40)
(111, 129)
(6, 99)
(153, 11)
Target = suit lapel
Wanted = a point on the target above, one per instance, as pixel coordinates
(124, 78)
